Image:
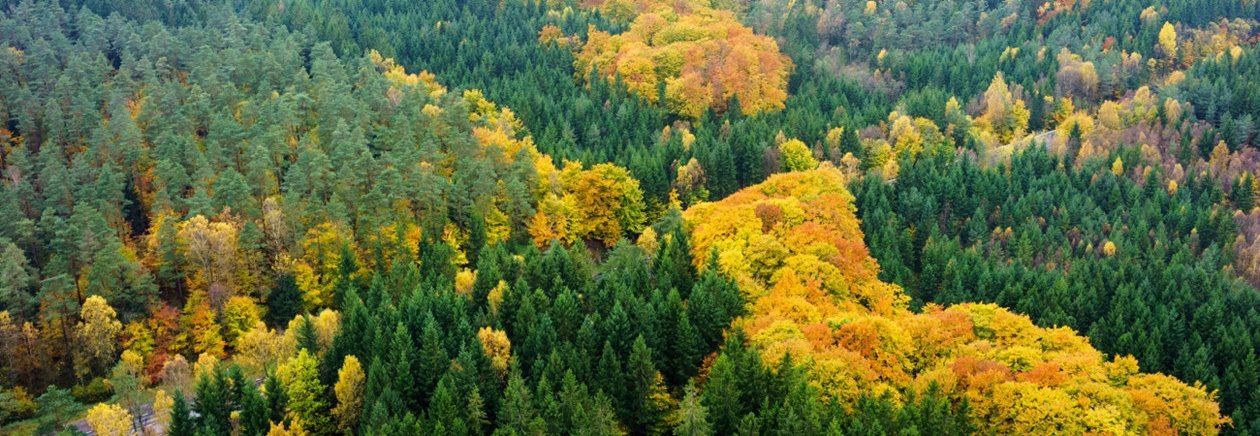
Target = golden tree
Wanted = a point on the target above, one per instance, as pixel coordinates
(109, 420)
(702, 57)
(497, 347)
(97, 335)
(349, 393)
(1168, 40)
(1005, 116)
(814, 294)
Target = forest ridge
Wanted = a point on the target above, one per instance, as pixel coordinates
(629, 217)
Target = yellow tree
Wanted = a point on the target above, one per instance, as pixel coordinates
(704, 58)
(162, 406)
(261, 348)
(295, 428)
(109, 420)
(1168, 40)
(212, 257)
(611, 202)
(349, 392)
(823, 304)
(318, 270)
(1172, 110)
(327, 324)
(240, 314)
(497, 347)
(1005, 115)
(97, 334)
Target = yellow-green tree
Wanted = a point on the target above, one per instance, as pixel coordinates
(349, 393)
(797, 156)
(603, 203)
(1005, 116)
(97, 335)
(318, 270)
(240, 314)
(300, 376)
(200, 330)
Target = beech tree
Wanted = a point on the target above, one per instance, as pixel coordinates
(109, 420)
(97, 335)
(349, 393)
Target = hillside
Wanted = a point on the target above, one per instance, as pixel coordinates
(693, 217)
(793, 245)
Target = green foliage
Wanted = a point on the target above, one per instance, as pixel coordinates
(284, 301)
(94, 391)
(118, 129)
(181, 420)
(56, 407)
(967, 255)
(307, 399)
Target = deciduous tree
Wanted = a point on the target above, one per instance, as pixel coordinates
(349, 393)
(97, 336)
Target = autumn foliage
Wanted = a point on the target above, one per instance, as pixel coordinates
(814, 294)
(695, 60)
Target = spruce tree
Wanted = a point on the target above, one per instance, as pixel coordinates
(277, 399)
(253, 417)
(181, 418)
(284, 301)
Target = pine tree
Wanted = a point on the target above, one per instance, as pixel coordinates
(610, 379)
(181, 419)
(307, 338)
(689, 348)
(517, 414)
(213, 404)
(641, 379)
(476, 238)
(476, 412)
(277, 398)
(231, 191)
(692, 416)
(722, 396)
(433, 360)
(849, 143)
(443, 408)
(714, 302)
(253, 416)
(404, 370)
(284, 301)
(673, 266)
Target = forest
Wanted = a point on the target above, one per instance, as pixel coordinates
(608, 217)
